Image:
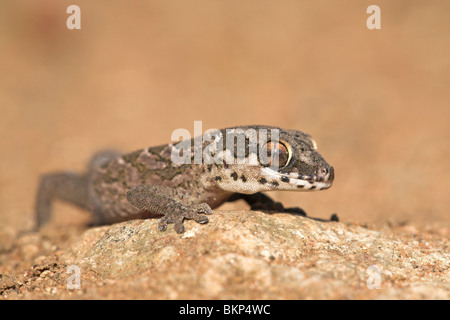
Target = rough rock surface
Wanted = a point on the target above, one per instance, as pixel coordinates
(237, 255)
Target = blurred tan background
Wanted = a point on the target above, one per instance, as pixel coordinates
(376, 101)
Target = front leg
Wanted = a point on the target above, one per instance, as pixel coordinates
(166, 201)
(260, 201)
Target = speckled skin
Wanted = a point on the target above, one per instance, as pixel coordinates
(147, 182)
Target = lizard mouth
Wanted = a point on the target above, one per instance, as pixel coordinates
(302, 182)
(309, 183)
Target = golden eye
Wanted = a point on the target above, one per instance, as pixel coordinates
(275, 154)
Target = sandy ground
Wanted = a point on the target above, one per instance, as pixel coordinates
(376, 101)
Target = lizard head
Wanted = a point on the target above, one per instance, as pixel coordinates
(285, 160)
(299, 165)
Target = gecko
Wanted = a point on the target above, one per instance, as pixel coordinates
(242, 163)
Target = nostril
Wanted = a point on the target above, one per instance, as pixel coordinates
(322, 172)
(326, 173)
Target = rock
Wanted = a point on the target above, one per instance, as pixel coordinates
(7, 282)
(254, 255)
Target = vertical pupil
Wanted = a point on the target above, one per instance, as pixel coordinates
(276, 154)
(281, 154)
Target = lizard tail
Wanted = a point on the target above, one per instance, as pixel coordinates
(65, 186)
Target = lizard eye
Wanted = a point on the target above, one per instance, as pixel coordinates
(277, 154)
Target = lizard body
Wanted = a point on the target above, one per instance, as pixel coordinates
(149, 181)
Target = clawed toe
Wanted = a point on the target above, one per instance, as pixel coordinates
(201, 219)
(162, 224)
(179, 227)
(204, 208)
(196, 213)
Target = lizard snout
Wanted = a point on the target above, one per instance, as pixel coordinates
(325, 173)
